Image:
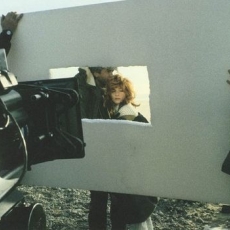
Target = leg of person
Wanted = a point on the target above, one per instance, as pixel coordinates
(116, 214)
(118, 226)
(98, 210)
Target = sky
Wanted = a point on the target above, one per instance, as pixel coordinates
(26, 6)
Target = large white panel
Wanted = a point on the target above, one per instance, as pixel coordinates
(186, 47)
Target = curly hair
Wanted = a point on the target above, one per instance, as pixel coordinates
(118, 81)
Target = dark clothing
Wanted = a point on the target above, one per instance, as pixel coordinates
(91, 103)
(140, 118)
(91, 97)
(5, 41)
(98, 210)
(131, 209)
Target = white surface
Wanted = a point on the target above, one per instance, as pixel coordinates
(185, 45)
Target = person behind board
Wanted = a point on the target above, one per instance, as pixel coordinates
(91, 84)
(9, 24)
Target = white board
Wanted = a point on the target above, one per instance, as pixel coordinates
(186, 48)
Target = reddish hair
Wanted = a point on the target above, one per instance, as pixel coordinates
(117, 81)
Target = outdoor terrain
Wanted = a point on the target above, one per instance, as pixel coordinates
(67, 209)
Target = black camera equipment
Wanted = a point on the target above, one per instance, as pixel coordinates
(39, 121)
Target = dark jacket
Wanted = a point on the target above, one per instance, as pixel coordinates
(5, 41)
(91, 96)
(131, 209)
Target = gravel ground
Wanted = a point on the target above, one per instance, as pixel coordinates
(67, 209)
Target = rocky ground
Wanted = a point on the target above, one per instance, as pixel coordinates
(67, 209)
